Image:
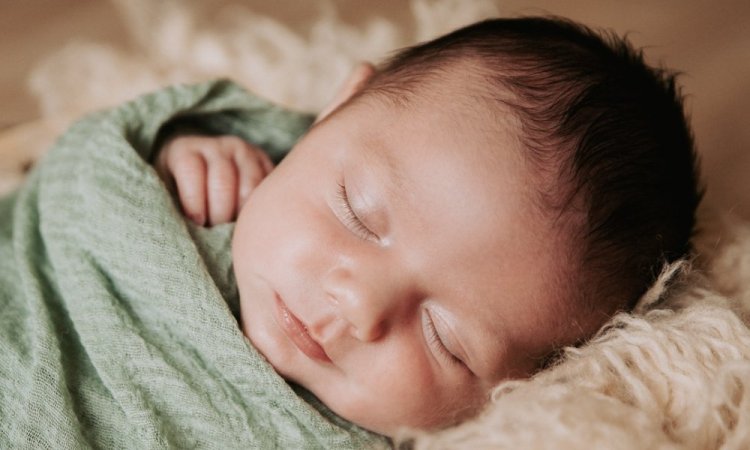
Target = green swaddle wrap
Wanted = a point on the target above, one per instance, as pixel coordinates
(117, 316)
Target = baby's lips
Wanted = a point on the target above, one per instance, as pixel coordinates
(298, 333)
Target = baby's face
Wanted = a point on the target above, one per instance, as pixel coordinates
(393, 265)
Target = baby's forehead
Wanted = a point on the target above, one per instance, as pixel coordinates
(473, 104)
(480, 126)
(484, 111)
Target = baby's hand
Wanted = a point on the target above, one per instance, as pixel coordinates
(213, 175)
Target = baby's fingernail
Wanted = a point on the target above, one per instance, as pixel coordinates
(199, 219)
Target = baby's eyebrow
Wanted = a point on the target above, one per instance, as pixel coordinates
(377, 155)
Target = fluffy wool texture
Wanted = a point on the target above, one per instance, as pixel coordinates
(675, 373)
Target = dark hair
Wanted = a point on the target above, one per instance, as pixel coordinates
(608, 131)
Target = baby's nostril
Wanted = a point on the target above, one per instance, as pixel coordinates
(26, 165)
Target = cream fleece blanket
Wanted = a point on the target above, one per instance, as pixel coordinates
(675, 374)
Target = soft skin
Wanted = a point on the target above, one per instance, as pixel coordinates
(440, 232)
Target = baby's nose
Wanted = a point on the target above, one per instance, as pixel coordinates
(370, 304)
(368, 330)
(329, 328)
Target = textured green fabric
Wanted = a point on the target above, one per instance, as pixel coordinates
(118, 318)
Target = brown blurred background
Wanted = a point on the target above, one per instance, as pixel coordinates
(708, 41)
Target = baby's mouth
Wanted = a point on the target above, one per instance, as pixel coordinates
(297, 332)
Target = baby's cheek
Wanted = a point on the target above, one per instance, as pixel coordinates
(406, 391)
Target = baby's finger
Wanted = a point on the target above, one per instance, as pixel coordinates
(265, 160)
(252, 166)
(222, 189)
(189, 172)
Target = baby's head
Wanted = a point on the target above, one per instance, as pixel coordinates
(481, 201)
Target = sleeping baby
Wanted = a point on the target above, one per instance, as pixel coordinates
(453, 219)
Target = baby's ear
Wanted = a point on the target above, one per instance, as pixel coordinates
(356, 80)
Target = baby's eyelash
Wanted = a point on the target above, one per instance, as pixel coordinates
(352, 220)
(433, 339)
